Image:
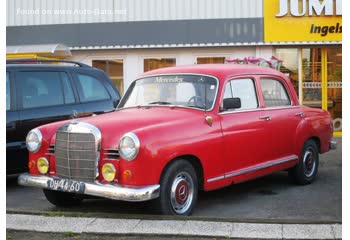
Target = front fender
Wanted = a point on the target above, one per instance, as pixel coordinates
(195, 139)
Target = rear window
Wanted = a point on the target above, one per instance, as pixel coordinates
(92, 89)
(274, 93)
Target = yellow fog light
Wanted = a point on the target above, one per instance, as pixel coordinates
(43, 165)
(108, 172)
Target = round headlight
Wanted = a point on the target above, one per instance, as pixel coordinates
(33, 140)
(43, 165)
(108, 172)
(129, 146)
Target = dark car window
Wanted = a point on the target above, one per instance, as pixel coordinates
(274, 93)
(92, 89)
(40, 89)
(67, 89)
(243, 89)
(8, 91)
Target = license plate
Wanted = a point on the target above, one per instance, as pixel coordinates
(66, 185)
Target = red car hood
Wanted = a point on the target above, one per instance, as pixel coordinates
(118, 123)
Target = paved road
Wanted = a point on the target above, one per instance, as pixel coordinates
(272, 197)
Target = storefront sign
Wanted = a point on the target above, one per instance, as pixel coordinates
(302, 20)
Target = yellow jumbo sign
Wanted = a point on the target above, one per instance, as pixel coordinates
(302, 20)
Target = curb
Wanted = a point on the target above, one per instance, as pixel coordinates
(166, 217)
(187, 228)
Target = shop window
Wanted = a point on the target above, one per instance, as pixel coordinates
(209, 60)
(155, 63)
(114, 69)
(289, 67)
(312, 77)
(334, 83)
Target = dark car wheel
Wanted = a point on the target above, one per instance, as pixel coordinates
(178, 189)
(306, 170)
(62, 199)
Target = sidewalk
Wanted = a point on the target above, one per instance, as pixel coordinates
(189, 228)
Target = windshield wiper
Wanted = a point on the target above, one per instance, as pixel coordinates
(161, 103)
(195, 106)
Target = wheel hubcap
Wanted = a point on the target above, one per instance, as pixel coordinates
(309, 163)
(182, 193)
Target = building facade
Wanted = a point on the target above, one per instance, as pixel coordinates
(128, 37)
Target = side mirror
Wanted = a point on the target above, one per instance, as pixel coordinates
(116, 102)
(231, 103)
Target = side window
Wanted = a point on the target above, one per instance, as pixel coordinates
(67, 89)
(274, 93)
(8, 91)
(92, 89)
(245, 90)
(40, 89)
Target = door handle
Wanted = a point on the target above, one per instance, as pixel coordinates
(300, 114)
(267, 118)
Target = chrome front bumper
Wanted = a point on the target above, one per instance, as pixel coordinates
(100, 190)
(333, 145)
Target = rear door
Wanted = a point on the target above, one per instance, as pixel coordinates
(284, 117)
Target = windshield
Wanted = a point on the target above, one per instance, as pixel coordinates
(194, 91)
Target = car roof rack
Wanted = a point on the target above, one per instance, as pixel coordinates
(21, 61)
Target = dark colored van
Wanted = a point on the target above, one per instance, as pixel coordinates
(38, 94)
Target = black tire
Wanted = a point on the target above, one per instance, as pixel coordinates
(306, 170)
(178, 189)
(62, 199)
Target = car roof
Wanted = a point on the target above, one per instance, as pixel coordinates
(217, 70)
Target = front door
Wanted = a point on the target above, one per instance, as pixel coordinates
(243, 129)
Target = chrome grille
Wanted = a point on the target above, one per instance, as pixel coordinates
(77, 152)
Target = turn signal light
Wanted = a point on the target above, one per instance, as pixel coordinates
(31, 164)
(127, 174)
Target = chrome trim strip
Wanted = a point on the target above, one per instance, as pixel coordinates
(175, 73)
(257, 109)
(262, 166)
(282, 107)
(216, 178)
(116, 192)
(252, 169)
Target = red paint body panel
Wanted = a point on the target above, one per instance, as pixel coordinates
(236, 143)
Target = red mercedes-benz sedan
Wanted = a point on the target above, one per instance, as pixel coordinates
(179, 130)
